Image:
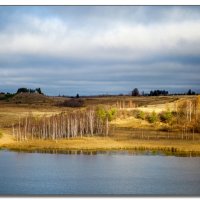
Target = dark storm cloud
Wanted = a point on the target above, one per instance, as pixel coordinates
(92, 50)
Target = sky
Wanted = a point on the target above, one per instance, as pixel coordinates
(94, 50)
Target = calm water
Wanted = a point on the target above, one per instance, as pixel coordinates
(35, 173)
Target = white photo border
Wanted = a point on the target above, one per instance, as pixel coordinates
(99, 2)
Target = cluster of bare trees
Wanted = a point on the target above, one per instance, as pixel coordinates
(188, 114)
(122, 104)
(77, 123)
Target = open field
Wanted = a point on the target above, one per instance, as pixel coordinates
(118, 140)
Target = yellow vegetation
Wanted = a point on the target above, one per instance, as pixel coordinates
(100, 143)
(131, 122)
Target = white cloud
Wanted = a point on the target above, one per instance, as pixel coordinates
(53, 37)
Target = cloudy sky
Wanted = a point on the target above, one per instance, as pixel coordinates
(100, 49)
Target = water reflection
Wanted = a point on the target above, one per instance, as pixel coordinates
(169, 152)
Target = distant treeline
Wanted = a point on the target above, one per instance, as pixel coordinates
(158, 93)
(26, 90)
(136, 92)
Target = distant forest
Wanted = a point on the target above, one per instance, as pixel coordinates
(136, 92)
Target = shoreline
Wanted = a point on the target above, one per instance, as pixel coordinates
(105, 144)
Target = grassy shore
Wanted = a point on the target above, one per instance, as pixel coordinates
(101, 144)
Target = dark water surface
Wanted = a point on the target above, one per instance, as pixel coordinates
(100, 174)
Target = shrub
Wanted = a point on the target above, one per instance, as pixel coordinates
(72, 103)
(6, 96)
(111, 114)
(141, 115)
(166, 116)
(103, 113)
(153, 117)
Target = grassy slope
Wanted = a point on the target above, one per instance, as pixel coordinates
(132, 122)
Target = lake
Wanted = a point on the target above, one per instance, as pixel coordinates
(115, 173)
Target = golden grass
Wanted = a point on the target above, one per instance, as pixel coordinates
(178, 145)
(10, 113)
(100, 143)
(134, 123)
(6, 138)
(158, 108)
(85, 143)
(131, 122)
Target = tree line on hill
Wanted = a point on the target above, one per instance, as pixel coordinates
(6, 96)
(135, 92)
(26, 90)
